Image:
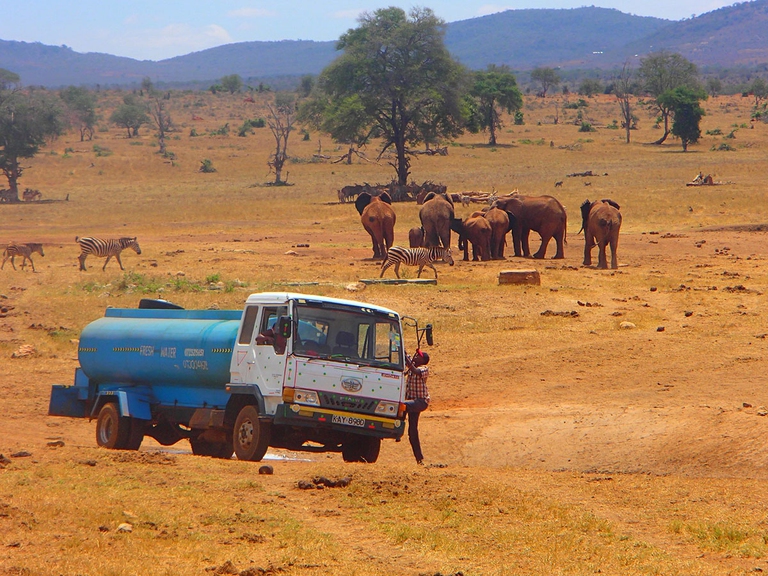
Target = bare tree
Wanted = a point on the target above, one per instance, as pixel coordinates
(622, 86)
(282, 115)
(160, 118)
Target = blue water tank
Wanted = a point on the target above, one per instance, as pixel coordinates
(190, 348)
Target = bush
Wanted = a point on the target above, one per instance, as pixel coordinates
(586, 127)
(519, 118)
(101, 151)
(221, 131)
(206, 166)
(724, 147)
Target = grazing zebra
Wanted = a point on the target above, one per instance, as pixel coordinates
(24, 250)
(108, 248)
(415, 257)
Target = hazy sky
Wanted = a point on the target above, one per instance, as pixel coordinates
(152, 30)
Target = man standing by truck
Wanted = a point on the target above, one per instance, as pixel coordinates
(416, 398)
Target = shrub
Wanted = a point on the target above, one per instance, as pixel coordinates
(221, 131)
(206, 166)
(519, 118)
(586, 127)
(724, 147)
(101, 151)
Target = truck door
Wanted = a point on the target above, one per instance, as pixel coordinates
(243, 355)
(268, 367)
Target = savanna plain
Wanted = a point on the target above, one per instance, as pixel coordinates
(557, 442)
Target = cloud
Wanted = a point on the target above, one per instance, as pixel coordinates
(176, 39)
(251, 13)
(487, 9)
(348, 14)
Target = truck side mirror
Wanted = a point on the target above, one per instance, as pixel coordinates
(428, 334)
(284, 326)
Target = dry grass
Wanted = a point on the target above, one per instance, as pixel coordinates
(572, 446)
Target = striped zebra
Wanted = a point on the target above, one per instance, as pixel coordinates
(24, 250)
(108, 248)
(415, 257)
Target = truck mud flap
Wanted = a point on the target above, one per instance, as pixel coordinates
(68, 401)
(363, 424)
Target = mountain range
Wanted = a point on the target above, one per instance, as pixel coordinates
(578, 38)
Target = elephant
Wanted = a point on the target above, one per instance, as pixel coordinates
(499, 221)
(601, 222)
(477, 230)
(416, 237)
(437, 219)
(543, 214)
(378, 219)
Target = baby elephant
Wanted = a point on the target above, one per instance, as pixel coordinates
(601, 221)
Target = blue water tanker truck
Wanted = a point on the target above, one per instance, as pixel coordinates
(291, 371)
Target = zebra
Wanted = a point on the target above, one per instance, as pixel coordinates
(102, 248)
(415, 257)
(24, 250)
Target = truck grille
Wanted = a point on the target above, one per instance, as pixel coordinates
(351, 403)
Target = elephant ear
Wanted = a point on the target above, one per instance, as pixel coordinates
(448, 198)
(384, 197)
(362, 201)
(512, 220)
(612, 203)
(428, 197)
(586, 206)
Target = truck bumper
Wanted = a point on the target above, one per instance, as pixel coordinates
(348, 422)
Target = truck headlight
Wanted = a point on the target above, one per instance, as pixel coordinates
(387, 408)
(306, 397)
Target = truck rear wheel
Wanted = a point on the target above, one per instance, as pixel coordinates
(251, 435)
(112, 430)
(361, 449)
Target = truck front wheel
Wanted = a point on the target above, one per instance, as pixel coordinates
(361, 449)
(112, 430)
(251, 435)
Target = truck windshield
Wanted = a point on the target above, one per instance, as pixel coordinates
(348, 333)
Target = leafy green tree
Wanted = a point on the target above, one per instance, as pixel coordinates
(27, 121)
(683, 102)
(663, 71)
(759, 89)
(546, 77)
(232, 83)
(398, 67)
(590, 86)
(80, 110)
(8, 79)
(131, 115)
(345, 119)
(495, 90)
(305, 85)
(714, 86)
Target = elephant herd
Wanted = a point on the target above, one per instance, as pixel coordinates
(486, 230)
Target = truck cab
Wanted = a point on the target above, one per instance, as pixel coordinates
(330, 371)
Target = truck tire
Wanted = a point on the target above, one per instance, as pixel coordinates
(361, 449)
(251, 435)
(112, 430)
(202, 447)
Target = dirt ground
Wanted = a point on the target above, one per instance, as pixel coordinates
(635, 395)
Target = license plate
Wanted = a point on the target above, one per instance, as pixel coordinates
(348, 420)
